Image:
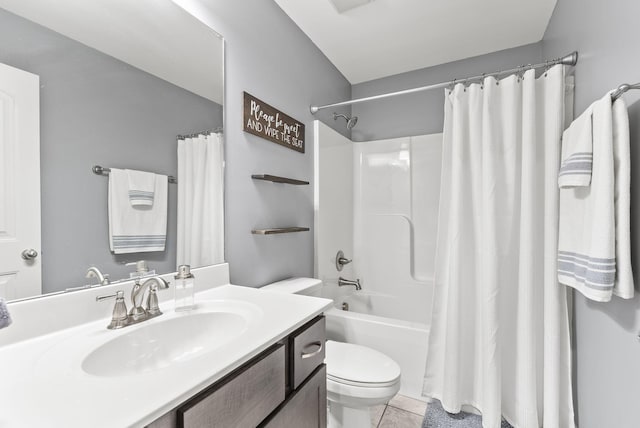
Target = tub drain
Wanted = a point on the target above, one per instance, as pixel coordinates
(345, 306)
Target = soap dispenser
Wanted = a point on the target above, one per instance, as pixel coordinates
(142, 269)
(184, 289)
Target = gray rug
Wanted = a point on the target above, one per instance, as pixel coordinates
(437, 417)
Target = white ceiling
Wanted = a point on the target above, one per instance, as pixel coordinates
(385, 37)
(156, 36)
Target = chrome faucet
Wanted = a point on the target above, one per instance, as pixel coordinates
(137, 314)
(342, 282)
(94, 272)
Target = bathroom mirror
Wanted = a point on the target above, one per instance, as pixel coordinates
(118, 81)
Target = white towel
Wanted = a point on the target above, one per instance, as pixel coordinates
(624, 287)
(141, 187)
(586, 243)
(136, 229)
(577, 152)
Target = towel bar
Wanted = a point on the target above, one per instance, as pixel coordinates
(101, 170)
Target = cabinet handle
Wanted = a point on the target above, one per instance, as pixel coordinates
(314, 353)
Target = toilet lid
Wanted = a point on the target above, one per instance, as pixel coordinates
(355, 364)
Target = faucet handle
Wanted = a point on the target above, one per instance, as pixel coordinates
(118, 294)
(341, 260)
(152, 302)
(119, 318)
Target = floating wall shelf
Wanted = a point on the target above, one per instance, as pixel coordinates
(276, 179)
(273, 231)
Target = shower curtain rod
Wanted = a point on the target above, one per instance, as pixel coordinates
(570, 59)
(217, 130)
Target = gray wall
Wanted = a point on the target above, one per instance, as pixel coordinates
(268, 56)
(95, 109)
(607, 352)
(423, 113)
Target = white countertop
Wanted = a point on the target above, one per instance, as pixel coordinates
(42, 383)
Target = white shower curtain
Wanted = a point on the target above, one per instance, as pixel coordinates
(200, 200)
(499, 338)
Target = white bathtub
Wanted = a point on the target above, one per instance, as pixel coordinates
(375, 320)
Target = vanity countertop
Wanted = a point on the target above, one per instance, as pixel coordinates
(43, 382)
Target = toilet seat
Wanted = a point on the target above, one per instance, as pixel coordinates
(360, 366)
(361, 384)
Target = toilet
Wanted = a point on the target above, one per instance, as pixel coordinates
(358, 377)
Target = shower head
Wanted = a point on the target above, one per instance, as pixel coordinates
(351, 121)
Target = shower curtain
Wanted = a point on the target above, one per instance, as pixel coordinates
(499, 338)
(200, 200)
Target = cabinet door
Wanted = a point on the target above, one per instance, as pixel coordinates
(242, 402)
(307, 407)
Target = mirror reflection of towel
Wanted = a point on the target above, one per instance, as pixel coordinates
(141, 187)
(136, 229)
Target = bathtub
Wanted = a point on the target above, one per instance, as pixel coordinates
(386, 323)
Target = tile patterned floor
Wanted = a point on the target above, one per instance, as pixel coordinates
(400, 412)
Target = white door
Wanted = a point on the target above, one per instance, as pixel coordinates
(19, 184)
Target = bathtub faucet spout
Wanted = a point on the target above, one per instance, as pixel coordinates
(342, 281)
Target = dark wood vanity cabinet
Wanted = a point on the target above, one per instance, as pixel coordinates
(306, 407)
(285, 386)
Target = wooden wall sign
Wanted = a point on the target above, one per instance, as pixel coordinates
(271, 124)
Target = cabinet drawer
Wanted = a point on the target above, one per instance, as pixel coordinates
(307, 407)
(244, 400)
(307, 350)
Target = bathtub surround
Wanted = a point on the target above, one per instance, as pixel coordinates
(499, 338)
(381, 191)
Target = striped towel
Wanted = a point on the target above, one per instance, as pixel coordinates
(594, 243)
(135, 229)
(5, 318)
(577, 152)
(141, 187)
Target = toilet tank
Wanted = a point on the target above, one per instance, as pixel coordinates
(296, 285)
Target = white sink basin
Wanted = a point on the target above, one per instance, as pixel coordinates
(164, 342)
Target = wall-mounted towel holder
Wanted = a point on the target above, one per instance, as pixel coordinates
(622, 89)
(101, 170)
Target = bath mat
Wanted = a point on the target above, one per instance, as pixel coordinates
(437, 417)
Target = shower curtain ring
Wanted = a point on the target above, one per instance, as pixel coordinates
(484, 75)
(452, 85)
(520, 73)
